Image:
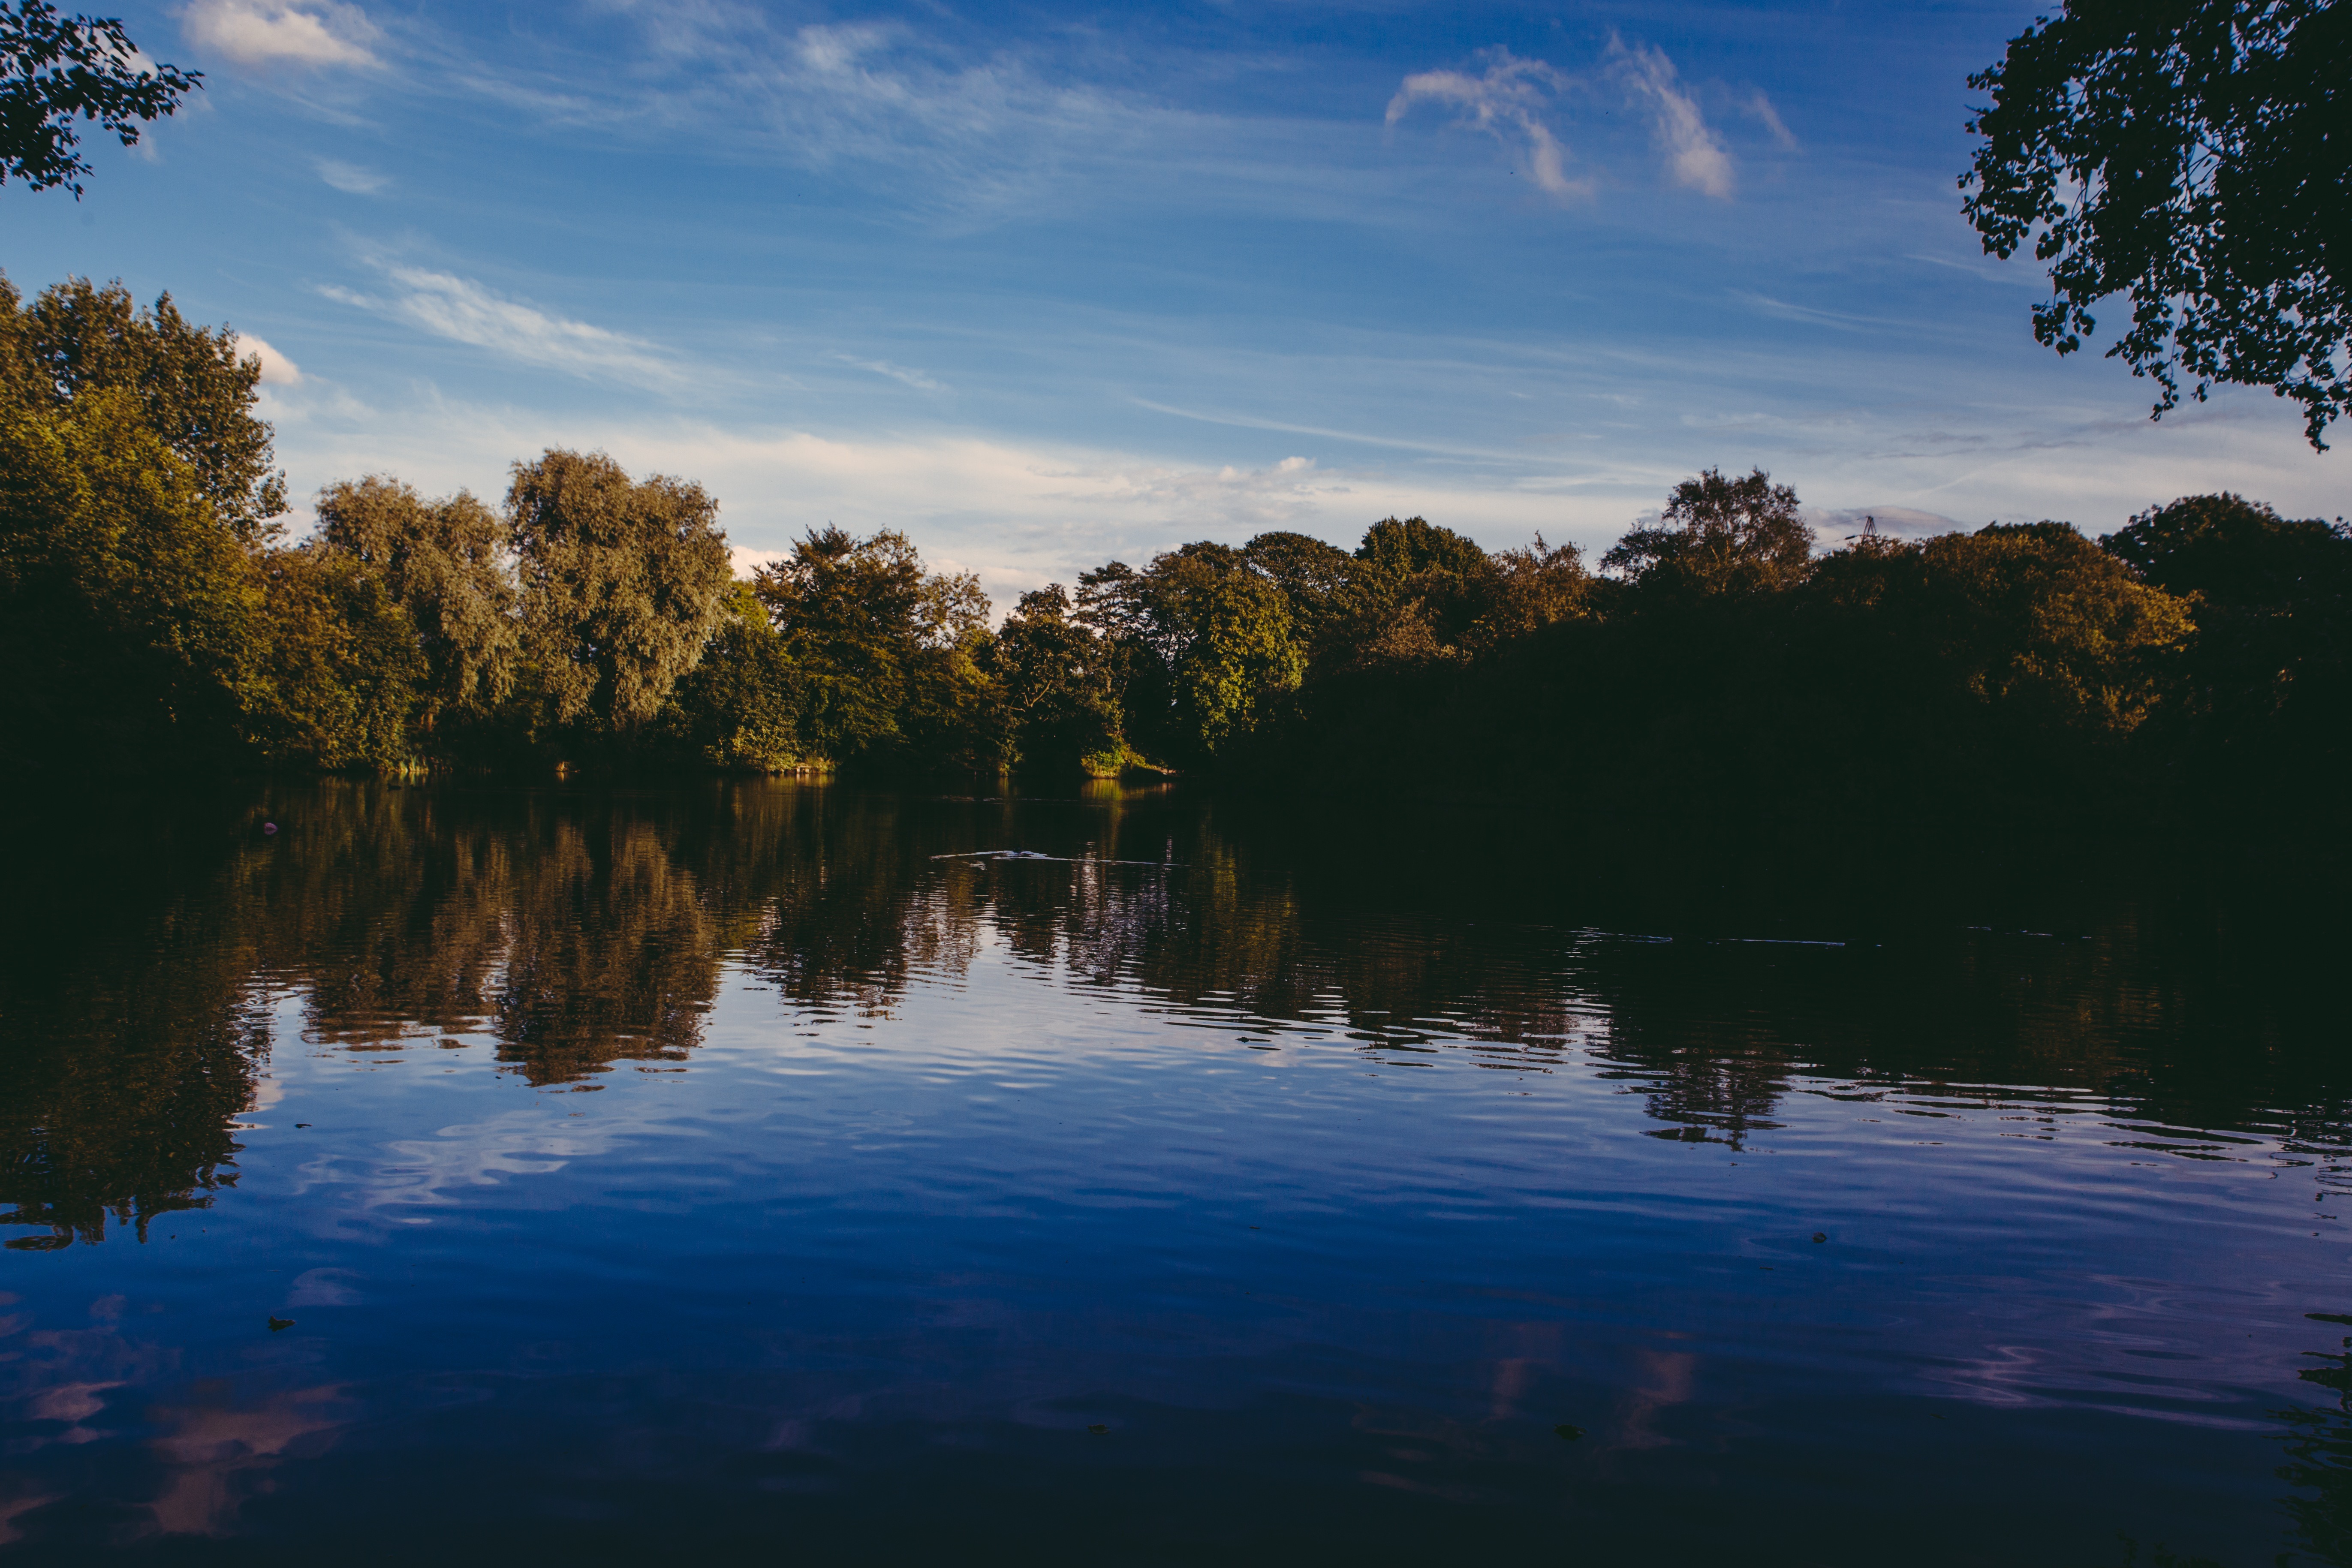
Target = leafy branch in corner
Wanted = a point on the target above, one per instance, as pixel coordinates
(55, 70)
(2191, 155)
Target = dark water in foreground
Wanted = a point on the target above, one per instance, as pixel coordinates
(723, 1176)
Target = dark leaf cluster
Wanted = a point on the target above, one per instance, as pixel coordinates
(2192, 157)
(56, 69)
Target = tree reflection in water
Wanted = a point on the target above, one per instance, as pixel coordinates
(578, 930)
(570, 932)
(2319, 1453)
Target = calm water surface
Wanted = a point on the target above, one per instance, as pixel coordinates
(757, 1172)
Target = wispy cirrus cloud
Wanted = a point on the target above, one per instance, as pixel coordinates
(1513, 99)
(899, 372)
(1508, 101)
(463, 311)
(350, 177)
(1761, 106)
(891, 101)
(293, 32)
(1694, 155)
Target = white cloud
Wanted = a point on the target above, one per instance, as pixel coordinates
(1843, 320)
(965, 137)
(350, 177)
(1761, 108)
(277, 370)
(301, 32)
(1508, 104)
(1692, 152)
(1286, 492)
(914, 378)
(464, 312)
(743, 561)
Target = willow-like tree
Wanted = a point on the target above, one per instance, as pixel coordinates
(622, 583)
(444, 563)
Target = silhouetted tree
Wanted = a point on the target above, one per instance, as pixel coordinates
(55, 70)
(2267, 698)
(2190, 155)
(1718, 536)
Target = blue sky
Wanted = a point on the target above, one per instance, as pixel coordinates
(1042, 284)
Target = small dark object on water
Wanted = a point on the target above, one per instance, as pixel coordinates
(1097, 1428)
(277, 1323)
(301, 1124)
(1567, 1432)
(1821, 1235)
(269, 828)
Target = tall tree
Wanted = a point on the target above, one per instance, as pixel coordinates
(341, 680)
(1241, 656)
(1424, 588)
(2270, 666)
(2191, 155)
(1718, 536)
(130, 615)
(444, 563)
(1059, 684)
(865, 627)
(56, 69)
(193, 389)
(741, 706)
(622, 583)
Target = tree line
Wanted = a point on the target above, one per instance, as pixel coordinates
(1716, 669)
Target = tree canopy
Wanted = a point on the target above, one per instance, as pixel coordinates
(1718, 536)
(622, 584)
(2191, 155)
(194, 390)
(56, 69)
(444, 563)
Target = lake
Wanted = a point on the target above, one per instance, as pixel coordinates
(778, 1171)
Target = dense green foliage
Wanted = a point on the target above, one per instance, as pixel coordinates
(620, 583)
(442, 562)
(1717, 681)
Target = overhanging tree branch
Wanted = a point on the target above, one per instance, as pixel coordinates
(2194, 156)
(56, 69)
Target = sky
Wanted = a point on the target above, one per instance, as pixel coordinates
(1045, 285)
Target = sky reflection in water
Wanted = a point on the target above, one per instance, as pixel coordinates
(722, 1170)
